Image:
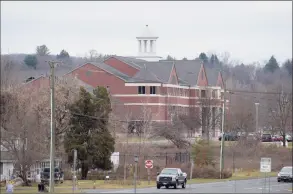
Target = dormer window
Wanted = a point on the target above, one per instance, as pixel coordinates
(152, 89)
(213, 93)
(141, 89)
(203, 94)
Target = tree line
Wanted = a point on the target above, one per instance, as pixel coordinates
(25, 124)
(43, 51)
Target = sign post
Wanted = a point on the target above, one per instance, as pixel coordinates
(148, 165)
(265, 167)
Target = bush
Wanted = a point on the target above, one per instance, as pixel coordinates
(210, 172)
(202, 153)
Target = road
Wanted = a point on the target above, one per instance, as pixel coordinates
(240, 186)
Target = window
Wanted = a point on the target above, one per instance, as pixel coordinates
(1, 168)
(197, 93)
(141, 89)
(213, 93)
(202, 74)
(152, 89)
(203, 93)
(222, 95)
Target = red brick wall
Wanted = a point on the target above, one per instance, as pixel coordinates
(202, 80)
(121, 66)
(39, 83)
(94, 76)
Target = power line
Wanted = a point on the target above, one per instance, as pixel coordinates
(260, 98)
(256, 92)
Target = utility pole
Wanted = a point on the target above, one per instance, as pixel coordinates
(223, 137)
(52, 142)
(256, 117)
(135, 172)
(74, 169)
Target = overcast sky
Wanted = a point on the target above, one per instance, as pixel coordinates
(249, 31)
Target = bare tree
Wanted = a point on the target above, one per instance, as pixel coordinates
(281, 114)
(65, 90)
(206, 116)
(21, 132)
(241, 118)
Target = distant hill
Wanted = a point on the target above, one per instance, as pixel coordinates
(21, 71)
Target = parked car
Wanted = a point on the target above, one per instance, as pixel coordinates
(277, 138)
(289, 138)
(230, 136)
(266, 138)
(171, 177)
(58, 175)
(285, 174)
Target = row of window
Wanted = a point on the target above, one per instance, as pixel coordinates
(142, 90)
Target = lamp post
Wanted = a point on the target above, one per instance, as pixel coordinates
(256, 117)
(135, 172)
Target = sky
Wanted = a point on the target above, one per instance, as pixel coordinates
(245, 31)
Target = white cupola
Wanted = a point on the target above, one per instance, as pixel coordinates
(147, 43)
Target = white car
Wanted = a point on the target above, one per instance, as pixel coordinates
(289, 138)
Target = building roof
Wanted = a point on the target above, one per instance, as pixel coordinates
(188, 70)
(212, 76)
(156, 71)
(146, 33)
(160, 71)
(128, 60)
(111, 70)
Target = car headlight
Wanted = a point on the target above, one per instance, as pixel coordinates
(158, 178)
(173, 178)
(279, 174)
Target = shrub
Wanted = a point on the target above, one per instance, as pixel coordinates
(210, 172)
(202, 153)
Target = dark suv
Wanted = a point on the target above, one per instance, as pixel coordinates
(58, 175)
(266, 138)
(230, 136)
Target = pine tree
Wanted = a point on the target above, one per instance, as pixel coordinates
(89, 133)
(272, 65)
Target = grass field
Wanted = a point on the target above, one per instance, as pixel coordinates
(66, 187)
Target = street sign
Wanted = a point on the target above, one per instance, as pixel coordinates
(265, 165)
(148, 164)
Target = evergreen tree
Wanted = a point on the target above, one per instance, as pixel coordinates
(169, 58)
(31, 61)
(272, 65)
(214, 61)
(42, 50)
(63, 55)
(288, 66)
(89, 133)
(204, 58)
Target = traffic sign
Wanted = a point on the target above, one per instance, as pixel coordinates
(265, 165)
(148, 164)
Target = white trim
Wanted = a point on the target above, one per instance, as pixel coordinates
(175, 86)
(143, 84)
(152, 95)
(155, 104)
(164, 104)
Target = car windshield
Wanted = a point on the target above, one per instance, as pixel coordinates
(169, 171)
(287, 169)
(48, 170)
(266, 135)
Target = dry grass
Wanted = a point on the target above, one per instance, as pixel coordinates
(66, 187)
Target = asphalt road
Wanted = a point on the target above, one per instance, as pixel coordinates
(240, 186)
